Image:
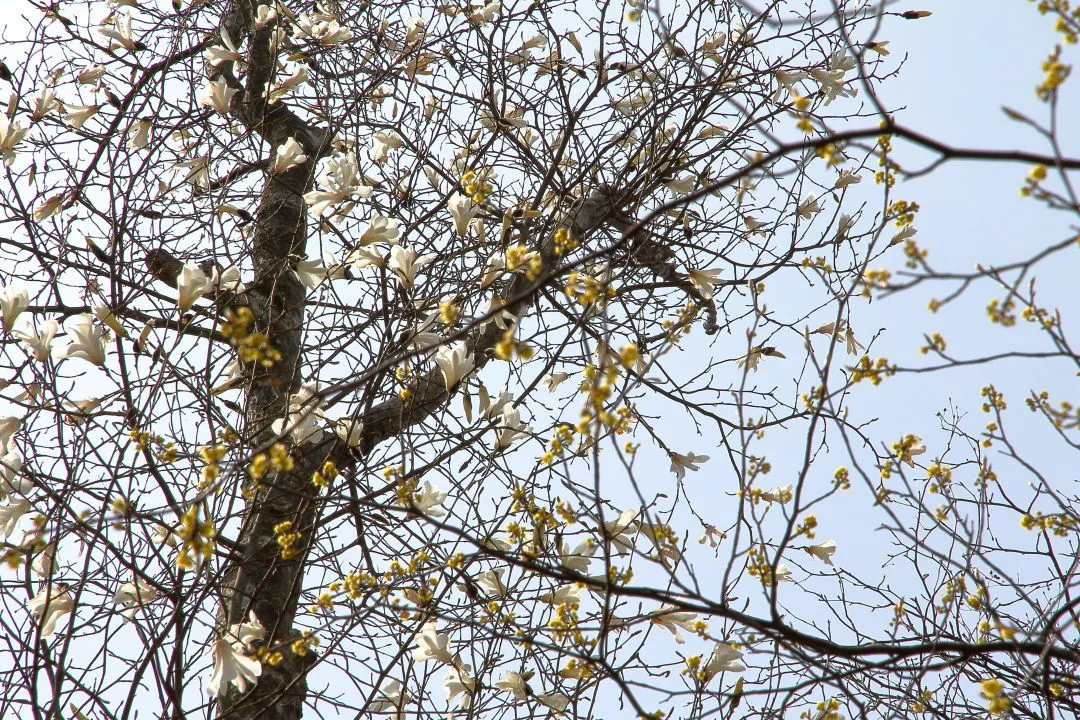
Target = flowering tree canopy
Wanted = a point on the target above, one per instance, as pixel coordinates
(511, 360)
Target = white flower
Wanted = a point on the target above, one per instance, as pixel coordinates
(244, 635)
(569, 594)
(232, 665)
(286, 86)
(50, 206)
(339, 184)
(226, 280)
(289, 154)
(494, 267)
(843, 226)
(705, 280)
(513, 683)
(133, 595)
(363, 257)
(11, 133)
(783, 574)
(380, 229)
(455, 363)
(491, 582)
(381, 145)
(87, 343)
(489, 409)
(621, 531)
(90, 75)
(119, 34)
(218, 95)
(264, 15)
(712, 130)
(847, 177)
(404, 263)
(823, 551)
(138, 135)
(711, 536)
(881, 48)
(11, 483)
(393, 697)
(753, 225)
(349, 431)
(752, 358)
(191, 285)
(906, 232)
(12, 302)
(77, 115)
(786, 81)
(511, 429)
(724, 658)
(226, 52)
(49, 605)
(908, 448)
(463, 210)
(301, 421)
(486, 14)
(323, 32)
(672, 620)
(852, 345)
(557, 701)
(105, 314)
(427, 500)
(459, 681)
(578, 559)
(553, 380)
(681, 463)
(432, 645)
(781, 494)
(831, 82)
(809, 207)
(44, 560)
(10, 515)
(629, 104)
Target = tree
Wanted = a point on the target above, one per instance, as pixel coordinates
(345, 343)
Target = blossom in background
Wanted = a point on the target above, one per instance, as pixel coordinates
(621, 531)
(11, 134)
(133, 595)
(491, 582)
(392, 698)
(724, 658)
(404, 262)
(847, 177)
(513, 683)
(460, 684)
(301, 421)
(564, 594)
(427, 500)
(49, 605)
(752, 358)
(10, 515)
(681, 463)
(380, 229)
(215, 55)
(138, 135)
(511, 429)
(77, 115)
(557, 701)
(823, 551)
(11, 482)
(463, 210)
(578, 559)
(340, 183)
(289, 154)
(432, 645)
(809, 207)
(381, 145)
(673, 620)
(217, 95)
(705, 280)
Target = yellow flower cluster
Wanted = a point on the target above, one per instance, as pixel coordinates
(587, 289)
(1055, 73)
(476, 185)
(1001, 313)
(288, 539)
(277, 459)
(934, 342)
(1059, 524)
(251, 347)
(874, 371)
(993, 691)
(322, 477)
(564, 241)
(197, 536)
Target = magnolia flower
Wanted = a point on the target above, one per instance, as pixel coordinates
(432, 645)
(339, 184)
(44, 560)
(427, 499)
(494, 267)
(705, 280)
(908, 448)
(724, 658)
(381, 145)
(809, 207)
(553, 380)
(681, 463)
(218, 95)
(10, 515)
(105, 314)
(404, 263)
(557, 701)
(455, 363)
(349, 431)
(264, 15)
(781, 494)
(48, 606)
(823, 551)
(363, 257)
(513, 683)
(393, 697)
(286, 86)
(119, 34)
(753, 225)
(578, 559)
(463, 210)
(133, 595)
(8, 427)
(301, 421)
(785, 80)
(50, 206)
(563, 595)
(486, 14)
(289, 154)
(511, 429)
(11, 133)
(621, 531)
(191, 285)
(712, 130)
(490, 409)
(322, 32)
(459, 681)
(880, 47)
(847, 177)
(312, 273)
(711, 536)
(783, 574)
(90, 75)
(12, 302)
(672, 620)
(491, 582)
(906, 232)
(138, 135)
(226, 280)
(852, 345)
(752, 358)
(77, 115)
(10, 481)
(843, 226)
(380, 229)
(87, 343)
(226, 52)
(232, 665)
(831, 84)
(628, 105)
